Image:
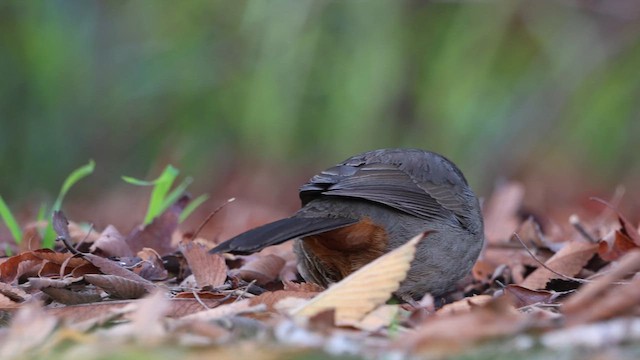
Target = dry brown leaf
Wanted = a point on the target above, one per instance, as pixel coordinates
(483, 270)
(362, 291)
(158, 234)
(208, 269)
(14, 293)
(151, 267)
(618, 301)
(583, 300)
(568, 261)
(493, 319)
(116, 286)
(264, 269)
(91, 312)
(111, 243)
(614, 245)
(501, 212)
(379, 318)
(520, 296)
(464, 305)
(14, 267)
(270, 298)
(289, 271)
(8, 304)
(234, 308)
(109, 267)
(42, 282)
(147, 319)
(68, 297)
(302, 287)
(29, 328)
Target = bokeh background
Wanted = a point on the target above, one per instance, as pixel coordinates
(252, 97)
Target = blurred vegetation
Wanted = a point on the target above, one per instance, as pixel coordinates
(497, 86)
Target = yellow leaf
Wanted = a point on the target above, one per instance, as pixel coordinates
(364, 290)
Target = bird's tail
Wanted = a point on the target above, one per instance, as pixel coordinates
(278, 232)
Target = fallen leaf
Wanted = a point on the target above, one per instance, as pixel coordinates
(111, 243)
(459, 329)
(158, 234)
(302, 287)
(362, 291)
(151, 266)
(7, 303)
(234, 308)
(568, 261)
(42, 282)
(464, 305)
(117, 287)
(271, 298)
(208, 269)
(520, 296)
(68, 297)
(263, 269)
(582, 306)
(29, 328)
(381, 317)
(614, 245)
(501, 212)
(13, 293)
(109, 267)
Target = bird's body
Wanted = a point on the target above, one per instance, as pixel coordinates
(372, 203)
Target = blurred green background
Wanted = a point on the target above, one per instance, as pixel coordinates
(221, 88)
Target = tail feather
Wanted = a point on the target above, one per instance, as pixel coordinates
(278, 232)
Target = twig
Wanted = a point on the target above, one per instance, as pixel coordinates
(211, 215)
(575, 221)
(582, 281)
(67, 244)
(245, 290)
(544, 265)
(85, 237)
(197, 297)
(612, 205)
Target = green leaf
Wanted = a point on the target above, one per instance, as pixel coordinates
(7, 250)
(161, 187)
(10, 221)
(42, 212)
(174, 195)
(76, 175)
(134, 181)
(192, 206)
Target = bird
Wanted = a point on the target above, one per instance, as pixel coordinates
(372, 203)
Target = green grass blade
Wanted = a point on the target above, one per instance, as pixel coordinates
(134, 181)
(76, 175)
(7, 250)
(162, 186)
(42, 212)
(192, 206)
(160, 190)
(174, 195)
(10, 221)
(73, 178)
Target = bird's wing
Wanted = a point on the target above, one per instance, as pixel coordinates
(419, 183)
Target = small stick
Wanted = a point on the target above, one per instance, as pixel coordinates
(545, 266)
(582, 281)
(577, 224)
(195, 233)
(197, 297)
(245, 290)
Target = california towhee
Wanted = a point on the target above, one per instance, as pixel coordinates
(372, 203)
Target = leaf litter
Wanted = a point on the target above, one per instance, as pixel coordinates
(553, 286)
